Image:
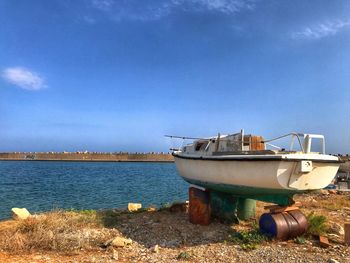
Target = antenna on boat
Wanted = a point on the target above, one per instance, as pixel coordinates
(217, 142)
(183, 137)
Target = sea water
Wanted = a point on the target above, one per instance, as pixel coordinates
(44, 185)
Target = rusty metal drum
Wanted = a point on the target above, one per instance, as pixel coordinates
(301, 219)
(284, 225)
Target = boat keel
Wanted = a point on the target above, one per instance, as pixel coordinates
(281, 222)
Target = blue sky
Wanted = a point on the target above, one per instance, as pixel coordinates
(116, 75)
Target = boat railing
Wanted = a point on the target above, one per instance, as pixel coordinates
(306, 147)
(292, 134)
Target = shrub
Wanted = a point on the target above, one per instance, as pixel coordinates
(300, 240)
(317, 224)
(184, 255)
(247, 239)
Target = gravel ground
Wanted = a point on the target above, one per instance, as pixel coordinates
(165, 236)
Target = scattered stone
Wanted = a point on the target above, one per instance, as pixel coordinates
(332, 191)
(324, 242)
(118, 242)
(333, 235)
(134, 206)
(333, 261)
(178, 207)
(115, 255)
(151, 209)
(336, 229)
(155, 249)
(160, 237)
(209, 235)
(324, 192)
(20, 213)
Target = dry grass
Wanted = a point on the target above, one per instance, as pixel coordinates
(325, 204)
(333, 205)
(57, 230)
(71, 231)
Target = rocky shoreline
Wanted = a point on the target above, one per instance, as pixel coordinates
(165, 235)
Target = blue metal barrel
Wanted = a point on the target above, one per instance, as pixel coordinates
(283, 225)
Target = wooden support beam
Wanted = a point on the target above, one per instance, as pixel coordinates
(347, 233)
(280, 209)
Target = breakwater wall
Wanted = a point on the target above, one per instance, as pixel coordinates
(86, 156)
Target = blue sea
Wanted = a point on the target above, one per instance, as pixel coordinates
(42, 185)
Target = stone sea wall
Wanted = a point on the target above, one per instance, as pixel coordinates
(87, 156)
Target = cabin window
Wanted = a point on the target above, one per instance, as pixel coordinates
(201, 145)
(246, 141)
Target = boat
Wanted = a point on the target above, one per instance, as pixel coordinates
(249, 166)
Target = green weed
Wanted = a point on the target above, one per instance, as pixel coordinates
(184, 255)
(300, 240)
(317, 224)
(247, 239)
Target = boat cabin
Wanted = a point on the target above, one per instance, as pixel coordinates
(226, 144)
(239, 143)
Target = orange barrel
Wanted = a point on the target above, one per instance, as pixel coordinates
(199, 206)
(283, 225)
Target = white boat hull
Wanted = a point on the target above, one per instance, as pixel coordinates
(260, 176)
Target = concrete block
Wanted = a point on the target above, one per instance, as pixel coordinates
(132, 207)
(20, 213)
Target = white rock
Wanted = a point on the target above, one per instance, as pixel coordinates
(333, 261)
(337, 229)
(134, 206)
(324, 192)
(333, 235)
(120, 242)
(20, 213)
(155, 249)
(115, 255)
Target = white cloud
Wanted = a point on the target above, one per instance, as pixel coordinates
(156, 9)
(23, 78)
(224, 6)
(104, 5)
(89, 20)
(321, 30)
